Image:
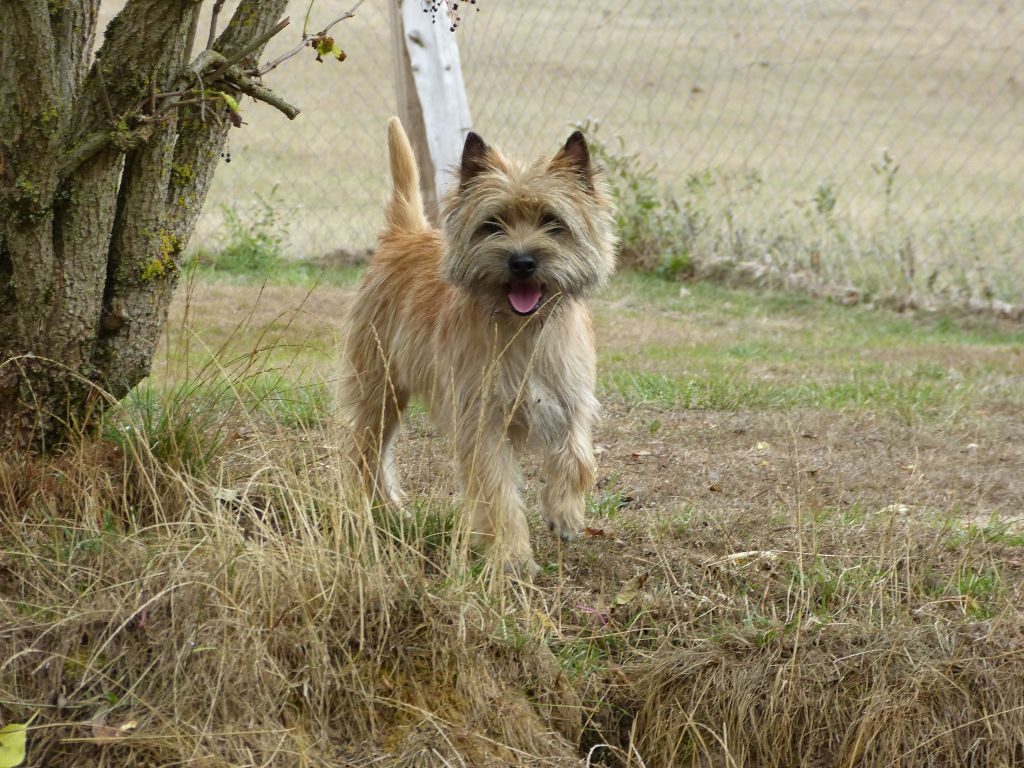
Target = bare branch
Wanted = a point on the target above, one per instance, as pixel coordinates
(204, 61)
(305, 41)
(190, 39)
(247, 49)
(104, 95)
(213, 23)
(259, 92)
(71, 160)
(347, 15)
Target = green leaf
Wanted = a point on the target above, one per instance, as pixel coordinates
(12, 744)
(230, 101)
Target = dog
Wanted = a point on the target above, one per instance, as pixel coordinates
(486, 321)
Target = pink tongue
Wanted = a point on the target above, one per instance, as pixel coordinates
(524, 298)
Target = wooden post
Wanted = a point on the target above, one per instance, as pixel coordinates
(431, 95)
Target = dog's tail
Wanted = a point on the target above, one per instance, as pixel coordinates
(405, 208)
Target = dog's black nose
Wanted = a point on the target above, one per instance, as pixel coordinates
(522, 264)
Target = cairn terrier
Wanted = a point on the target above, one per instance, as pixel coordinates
(486, 321)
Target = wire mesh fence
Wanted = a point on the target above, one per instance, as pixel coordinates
(871, 145)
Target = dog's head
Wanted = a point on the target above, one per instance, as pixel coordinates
(523, 236)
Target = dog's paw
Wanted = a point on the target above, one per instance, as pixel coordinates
(565, 524)
(522, 569)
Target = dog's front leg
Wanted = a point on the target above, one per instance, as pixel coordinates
(489, 475)
(568, 473)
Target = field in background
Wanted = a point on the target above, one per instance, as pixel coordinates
(875, 146)
(871, 150)
(805, 543)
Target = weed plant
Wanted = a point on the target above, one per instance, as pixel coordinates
(254, 240)
(716, 227)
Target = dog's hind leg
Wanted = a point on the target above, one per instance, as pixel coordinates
(375, 418)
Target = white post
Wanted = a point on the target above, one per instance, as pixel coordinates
(433, 106)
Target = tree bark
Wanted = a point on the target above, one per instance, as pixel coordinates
(101, 183)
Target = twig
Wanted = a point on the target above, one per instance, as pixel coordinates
(194, 71)
(71, 160)
(347, 15)
(213, 23)
(190, 102)
(202, 88)
(190, 39)
(261, 93)
(261, 40)
(305, 40)
(305, 21)
(103, 91)
(82, 151)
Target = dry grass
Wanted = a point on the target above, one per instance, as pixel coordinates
(839, 696)
(265, 623)
(773, 580)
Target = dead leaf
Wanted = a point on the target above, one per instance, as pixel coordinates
(226, 495)
(743, 558)
(594, 531)
(631, 589)
(546, 622)
(108, 734)
(895, 509)
(638, 454)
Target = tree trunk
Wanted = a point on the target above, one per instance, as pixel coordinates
(102, 177)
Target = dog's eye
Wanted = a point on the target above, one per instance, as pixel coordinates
(553, 224)
(490, 227)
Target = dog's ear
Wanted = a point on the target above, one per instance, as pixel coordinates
(576, 156)
(473, 153)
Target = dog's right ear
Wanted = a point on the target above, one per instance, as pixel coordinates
(473, 154)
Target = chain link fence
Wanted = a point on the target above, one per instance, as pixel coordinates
(872, 146)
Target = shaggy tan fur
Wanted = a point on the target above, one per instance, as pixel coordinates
(487, 323)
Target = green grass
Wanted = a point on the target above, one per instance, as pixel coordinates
(189, 424)
(721, 349)
(717, 304)
(730, 390)
(294, 272)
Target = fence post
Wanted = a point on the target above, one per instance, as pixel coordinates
(430, 92)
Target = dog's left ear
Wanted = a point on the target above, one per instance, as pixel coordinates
(576, 156)
(474, 158)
